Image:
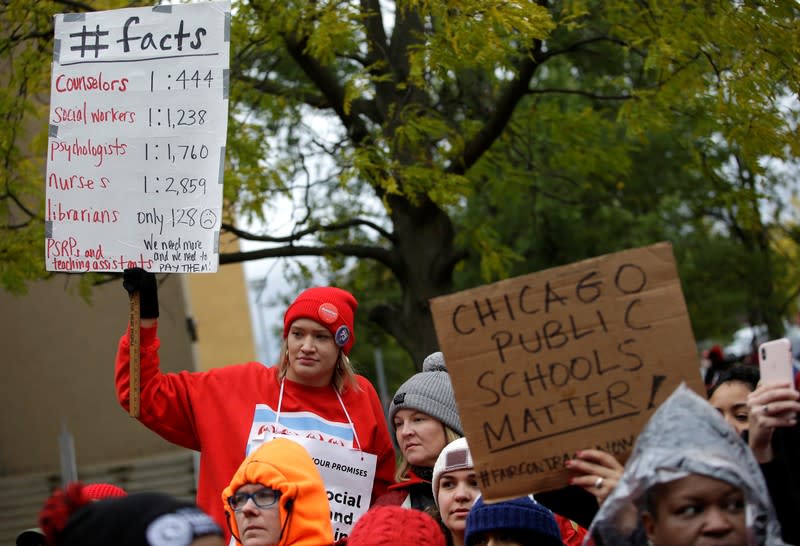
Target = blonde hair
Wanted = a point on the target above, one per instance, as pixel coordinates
(401, 474)
(344, 374)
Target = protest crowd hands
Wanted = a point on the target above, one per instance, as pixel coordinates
(770, 406)
(136, 279)
(596, 471)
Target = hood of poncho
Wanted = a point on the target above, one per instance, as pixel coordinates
(686, 435)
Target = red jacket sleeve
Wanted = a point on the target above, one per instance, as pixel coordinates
(381, 443)
(572, 534)
(165, 402)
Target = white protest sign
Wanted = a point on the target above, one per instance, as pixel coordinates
(138, 120)
(348, 473)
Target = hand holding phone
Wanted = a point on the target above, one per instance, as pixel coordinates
(770, 405)
(775, 362)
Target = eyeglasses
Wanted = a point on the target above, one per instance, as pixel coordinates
(263, 498)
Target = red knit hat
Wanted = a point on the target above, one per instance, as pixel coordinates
(68, 518)
(393, 526)
(63, 502)
(98, 491)
(332, 307)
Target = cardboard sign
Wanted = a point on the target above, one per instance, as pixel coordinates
(565, 359)
(136, 148)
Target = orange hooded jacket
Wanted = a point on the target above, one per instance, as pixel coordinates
(286, 466)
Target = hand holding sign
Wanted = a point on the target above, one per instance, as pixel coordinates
(143, 293)
(596, 471)
(138, 280)
(136, 148)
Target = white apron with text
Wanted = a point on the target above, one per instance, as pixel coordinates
(348, 472)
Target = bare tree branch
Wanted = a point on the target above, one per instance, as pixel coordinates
(494, 126)
(75, 5)
(579, 92)
(274, 88)
(339, 226)
(581, 45)
(378, 254)
(376, 35)
(328, 83)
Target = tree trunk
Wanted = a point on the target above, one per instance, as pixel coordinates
(424, 258)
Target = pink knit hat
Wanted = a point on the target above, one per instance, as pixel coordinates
(395, 526)
(332, 307)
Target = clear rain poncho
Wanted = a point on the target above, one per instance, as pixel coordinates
(686, 435)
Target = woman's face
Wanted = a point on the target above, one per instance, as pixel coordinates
(421, 437)
(457, 492)
(258, 526)
(697, 511)
(312, 353)
(730, 399)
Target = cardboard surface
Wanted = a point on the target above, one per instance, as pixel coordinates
(564, 359)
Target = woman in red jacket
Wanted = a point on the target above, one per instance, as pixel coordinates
(313, 394)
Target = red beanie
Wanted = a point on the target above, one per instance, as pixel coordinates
(393, 526)
(98, 491)
(63, 503)
(334, 308)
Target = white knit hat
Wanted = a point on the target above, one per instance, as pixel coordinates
(454, 456)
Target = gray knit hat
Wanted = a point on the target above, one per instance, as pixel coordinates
(430, 392)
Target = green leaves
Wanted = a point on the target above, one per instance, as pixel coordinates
(457, 142)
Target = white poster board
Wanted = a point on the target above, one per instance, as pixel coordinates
(347, 472)
(138, 121)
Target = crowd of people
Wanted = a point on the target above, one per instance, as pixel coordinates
(720, 470)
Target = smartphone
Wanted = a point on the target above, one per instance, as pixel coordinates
(775, 361)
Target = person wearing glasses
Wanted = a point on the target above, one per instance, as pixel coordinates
(277, 498)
